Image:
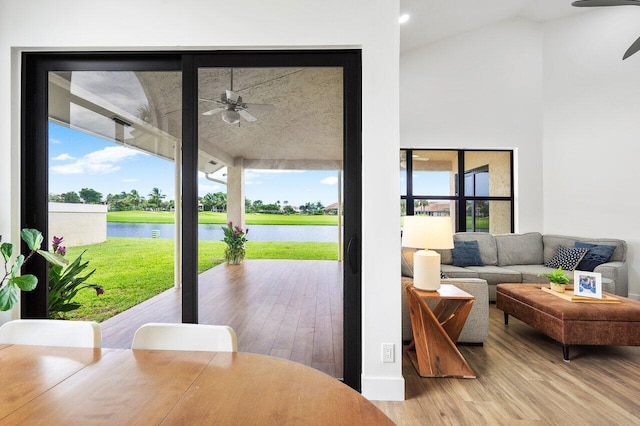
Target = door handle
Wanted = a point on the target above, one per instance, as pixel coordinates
(352, 254)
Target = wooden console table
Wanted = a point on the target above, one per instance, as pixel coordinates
(433, 351)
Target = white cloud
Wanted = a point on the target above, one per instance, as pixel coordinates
(205, 189)
(331, 180)
(63, 157)
(98, 162)
(52, 140)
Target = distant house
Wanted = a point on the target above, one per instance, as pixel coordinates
(434, 209)
(331, 209)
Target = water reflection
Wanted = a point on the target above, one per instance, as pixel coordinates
(300, 233)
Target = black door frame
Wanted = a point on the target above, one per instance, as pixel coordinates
(34, 161)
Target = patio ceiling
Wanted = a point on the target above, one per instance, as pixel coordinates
(143, 110)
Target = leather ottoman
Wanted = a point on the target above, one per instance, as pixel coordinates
(571, 323)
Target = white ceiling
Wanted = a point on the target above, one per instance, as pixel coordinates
(433, 20)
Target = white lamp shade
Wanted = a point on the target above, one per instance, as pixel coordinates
(431, 232)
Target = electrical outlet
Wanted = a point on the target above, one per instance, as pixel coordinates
(388, 352)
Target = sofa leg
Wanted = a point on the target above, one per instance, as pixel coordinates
(565, 353)
(506, 318)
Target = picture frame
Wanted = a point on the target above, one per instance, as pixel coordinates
(587, 284)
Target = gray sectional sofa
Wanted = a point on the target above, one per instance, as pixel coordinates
(519, 258)
(510, 258)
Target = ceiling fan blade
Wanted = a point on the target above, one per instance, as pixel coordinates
(244, 114)
(215, 101)
(632, 49)
(232, 96)
(597, 3)
(265, 107)
(213, 111)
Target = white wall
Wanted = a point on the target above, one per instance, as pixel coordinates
(592, 129)
(481, 89)
(79, 224)
(368, 24)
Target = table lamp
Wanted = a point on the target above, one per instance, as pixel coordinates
(427, 232)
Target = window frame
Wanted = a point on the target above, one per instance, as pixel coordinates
(459, 198)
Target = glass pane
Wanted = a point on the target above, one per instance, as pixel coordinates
(491, 171)
(434, 207)
(112, 185)
(270, 147)
(434, 172)
(488, 216)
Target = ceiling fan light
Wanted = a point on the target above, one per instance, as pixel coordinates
(230, 116)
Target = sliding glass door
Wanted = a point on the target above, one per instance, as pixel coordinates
(136, 137)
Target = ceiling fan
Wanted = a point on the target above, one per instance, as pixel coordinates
(232, 107)
(596, 3)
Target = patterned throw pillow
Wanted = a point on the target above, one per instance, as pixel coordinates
(466, 253)
(566, 258)
(597, 255)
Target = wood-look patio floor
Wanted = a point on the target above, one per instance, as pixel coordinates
(290, 309)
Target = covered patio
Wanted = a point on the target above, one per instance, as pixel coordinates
(290, 309)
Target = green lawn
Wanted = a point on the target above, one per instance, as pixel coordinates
(221, 218)
(132, 270)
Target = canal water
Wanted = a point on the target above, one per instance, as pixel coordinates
(299, 233)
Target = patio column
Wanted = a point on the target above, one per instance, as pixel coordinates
(235, 193)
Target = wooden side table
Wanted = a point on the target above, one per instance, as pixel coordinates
(433, 351)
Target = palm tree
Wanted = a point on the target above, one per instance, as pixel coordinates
(155, 197)
(134, 199)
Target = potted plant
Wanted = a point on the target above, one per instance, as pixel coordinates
(557, 278)
(12, 282)
(235, 238)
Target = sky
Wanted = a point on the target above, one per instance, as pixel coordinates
(79, 160)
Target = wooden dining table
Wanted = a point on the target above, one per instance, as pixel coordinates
(83, 386)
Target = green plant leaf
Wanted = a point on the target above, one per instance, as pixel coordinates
(15, 269)
(32, 237)
(8, 296)
(7, 251)
(25, 282)
(53, 258)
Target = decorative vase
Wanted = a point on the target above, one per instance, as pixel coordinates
(234, 255)
(558, 287)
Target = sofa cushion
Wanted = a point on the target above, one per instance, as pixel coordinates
(466, 253)
(520, 249)
(552, 242)
(446, 258)
(486, 244)
(566, 258)
(406, 261)
(530, 273)
(457, 272)
(495, 274)
(619, 254)
(597, 255)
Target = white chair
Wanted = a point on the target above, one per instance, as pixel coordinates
(185, 337)
(83, 334)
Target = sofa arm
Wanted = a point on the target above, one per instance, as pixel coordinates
(476, 329)
(618, 272)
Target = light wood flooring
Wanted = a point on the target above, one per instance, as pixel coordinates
(523, 380)
(286, 308)
(293, 309)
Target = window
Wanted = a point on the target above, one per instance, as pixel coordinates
(474, 187)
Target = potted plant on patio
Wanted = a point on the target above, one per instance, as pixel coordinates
(235, 238)
(557, 278)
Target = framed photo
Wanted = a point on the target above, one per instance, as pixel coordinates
(587, 284)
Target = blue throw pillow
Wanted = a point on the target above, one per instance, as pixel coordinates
(597, 255)
(466, 253)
